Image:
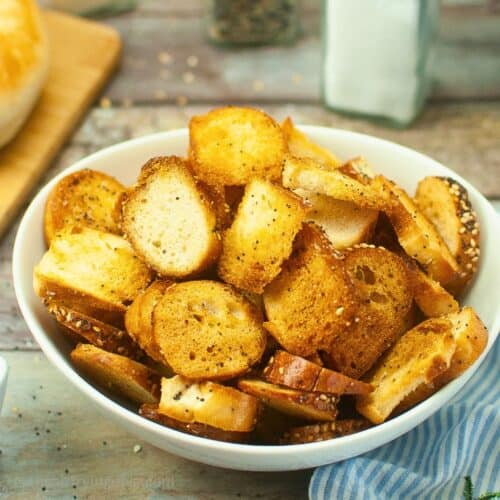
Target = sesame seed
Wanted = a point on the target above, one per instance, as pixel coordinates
(323, 397)
(127, 102)
(105, 103)
(160, 94)
(137, 448)
(339, 311)
(164, 57)
(192, 61)
(258, 85)
(188, 77)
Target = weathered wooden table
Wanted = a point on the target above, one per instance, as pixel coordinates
(52, 444)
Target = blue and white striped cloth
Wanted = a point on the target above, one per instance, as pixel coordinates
(432, 460)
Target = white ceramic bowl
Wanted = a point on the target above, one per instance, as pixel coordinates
(3, 379)
(123, 161)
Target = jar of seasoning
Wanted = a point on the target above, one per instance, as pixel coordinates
(252, 22)
(375, 57)
(91, 7)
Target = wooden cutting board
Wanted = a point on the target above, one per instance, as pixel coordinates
(83, 56)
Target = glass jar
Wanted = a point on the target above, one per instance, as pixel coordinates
(375, 57)
(91, 7)
(252, 22)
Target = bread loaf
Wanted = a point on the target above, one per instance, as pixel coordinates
(24, 57)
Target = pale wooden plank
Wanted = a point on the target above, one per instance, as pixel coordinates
(281, 74)
(97, 454)
(462, 136)
(471, 36)
(263, 73)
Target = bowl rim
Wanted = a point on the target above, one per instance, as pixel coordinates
(4, 367)
(399, 425)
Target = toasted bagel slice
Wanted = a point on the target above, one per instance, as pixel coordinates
(208, 403)
(445, 202)
(207, 330)
(139, 318)
(359, 169)
(231, 146)
(347, 184)
(293, 371)
(202, 430)
(118, 374)
(300, 146)
(313, 280)
(344, 223)
(170, 221)
(418, 236)
(471, 338)
(92, 272)
(261, 236)
(85, 198)
(96, 332)
(383, 292)
(324, 431)
(417, 358)
(219, 197)
(431, 298)
(300, 404)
